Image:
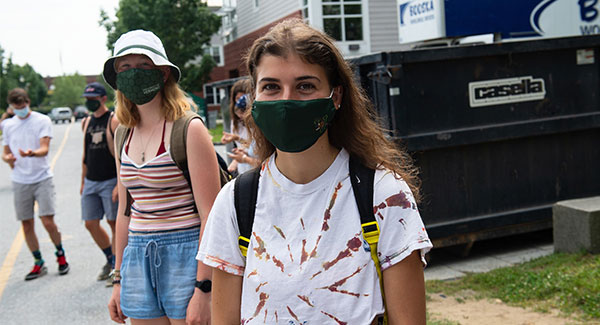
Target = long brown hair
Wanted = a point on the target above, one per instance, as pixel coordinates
(353, 127)
(174, 104)
(243, 86)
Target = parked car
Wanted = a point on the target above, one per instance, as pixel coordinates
(80, 112)
(61, 114)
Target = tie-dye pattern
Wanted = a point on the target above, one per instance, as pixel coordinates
(307, 261)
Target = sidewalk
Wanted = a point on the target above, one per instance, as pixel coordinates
(446, 264)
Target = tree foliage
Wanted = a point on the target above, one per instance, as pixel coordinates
(14, 75)
(68, 90)
(184, 26)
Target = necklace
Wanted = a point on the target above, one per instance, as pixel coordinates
(147, 142)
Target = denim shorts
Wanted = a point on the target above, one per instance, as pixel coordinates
(25, 195)
(158, 273)
(96, 200)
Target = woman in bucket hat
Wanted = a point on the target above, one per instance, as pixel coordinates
(156, 276)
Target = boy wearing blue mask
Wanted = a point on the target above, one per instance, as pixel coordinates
(26, 142)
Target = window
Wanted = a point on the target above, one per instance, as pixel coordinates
(342, 19)
(256, 4)
(212, 95)
(217, 54)
(304, 6)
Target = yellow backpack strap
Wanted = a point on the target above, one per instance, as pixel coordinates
(244, 198)
(362, 179)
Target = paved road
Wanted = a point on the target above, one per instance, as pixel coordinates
(75, 298)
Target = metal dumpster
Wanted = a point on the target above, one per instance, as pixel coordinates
(499, 132)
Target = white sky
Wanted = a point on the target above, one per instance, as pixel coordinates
(57, 37)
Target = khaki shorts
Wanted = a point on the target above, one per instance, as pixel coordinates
(26, 194)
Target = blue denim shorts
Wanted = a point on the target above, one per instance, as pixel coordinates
(158, 274)
(96, 200)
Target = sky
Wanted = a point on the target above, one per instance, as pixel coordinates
(57, 37)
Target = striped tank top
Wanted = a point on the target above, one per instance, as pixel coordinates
(163, 200)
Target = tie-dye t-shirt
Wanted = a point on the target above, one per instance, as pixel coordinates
(307, 260)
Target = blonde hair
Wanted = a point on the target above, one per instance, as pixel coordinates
(174, 105)
(353, 127)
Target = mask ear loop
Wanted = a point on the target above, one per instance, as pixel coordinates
(331, 95)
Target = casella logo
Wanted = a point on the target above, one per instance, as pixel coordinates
(556, 18)
(414, 9)
(505, 91)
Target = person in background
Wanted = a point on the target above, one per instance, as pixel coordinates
(6, 115)
(239, 134)
(98, 174)
(26, 140)
(243, 154)
(307, 260)
(157, 280)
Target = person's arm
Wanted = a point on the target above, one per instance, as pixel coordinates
(404, 288)
(42, 151)
(204, 176)
(83, 165)
(8, 157)
(241, 156)
(114, 304)
(227, 300)
(229, 137)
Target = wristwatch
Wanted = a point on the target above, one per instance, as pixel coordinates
(204, 285)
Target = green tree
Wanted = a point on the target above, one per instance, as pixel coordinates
(68, 90)
(13, 75)
(184, 26)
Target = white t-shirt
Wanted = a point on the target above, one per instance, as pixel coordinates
(242, 132)
(307, 260)
(26, 134)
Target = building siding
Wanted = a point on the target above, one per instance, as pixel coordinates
(384, 26)
(267, 12)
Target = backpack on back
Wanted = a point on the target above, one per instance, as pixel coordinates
(177, 149)
(362, 178)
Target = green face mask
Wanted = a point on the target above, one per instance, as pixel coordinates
(293, 125)
(92, 104)
(140, 85)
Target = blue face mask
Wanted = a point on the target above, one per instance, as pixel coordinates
(21, 112)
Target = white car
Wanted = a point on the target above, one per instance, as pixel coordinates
(62, 114)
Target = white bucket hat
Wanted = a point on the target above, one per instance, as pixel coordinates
(138, 42)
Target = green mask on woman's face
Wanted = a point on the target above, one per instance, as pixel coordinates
(293, 125)
(140, 85)
(92, 104)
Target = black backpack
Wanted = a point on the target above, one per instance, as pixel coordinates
(362, 179)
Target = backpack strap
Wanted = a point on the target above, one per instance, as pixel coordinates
(121, 134)
(244, 197)
(362, 179)
(178, 142)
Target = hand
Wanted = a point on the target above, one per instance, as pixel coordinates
(228, 137)
(238, 155)
(115, 194)
(27, 153)
(198, 310)
(10, 160)
(81, 188)
(114, 305)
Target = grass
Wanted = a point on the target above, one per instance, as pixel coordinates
(216, 133)
(566, 282)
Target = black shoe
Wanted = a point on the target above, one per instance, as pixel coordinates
(36, 272)
(63, 266)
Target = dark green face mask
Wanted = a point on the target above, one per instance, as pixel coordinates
(92, 104)
(293, 125)
(140, 85)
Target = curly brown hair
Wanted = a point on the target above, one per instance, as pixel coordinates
(354, 126)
